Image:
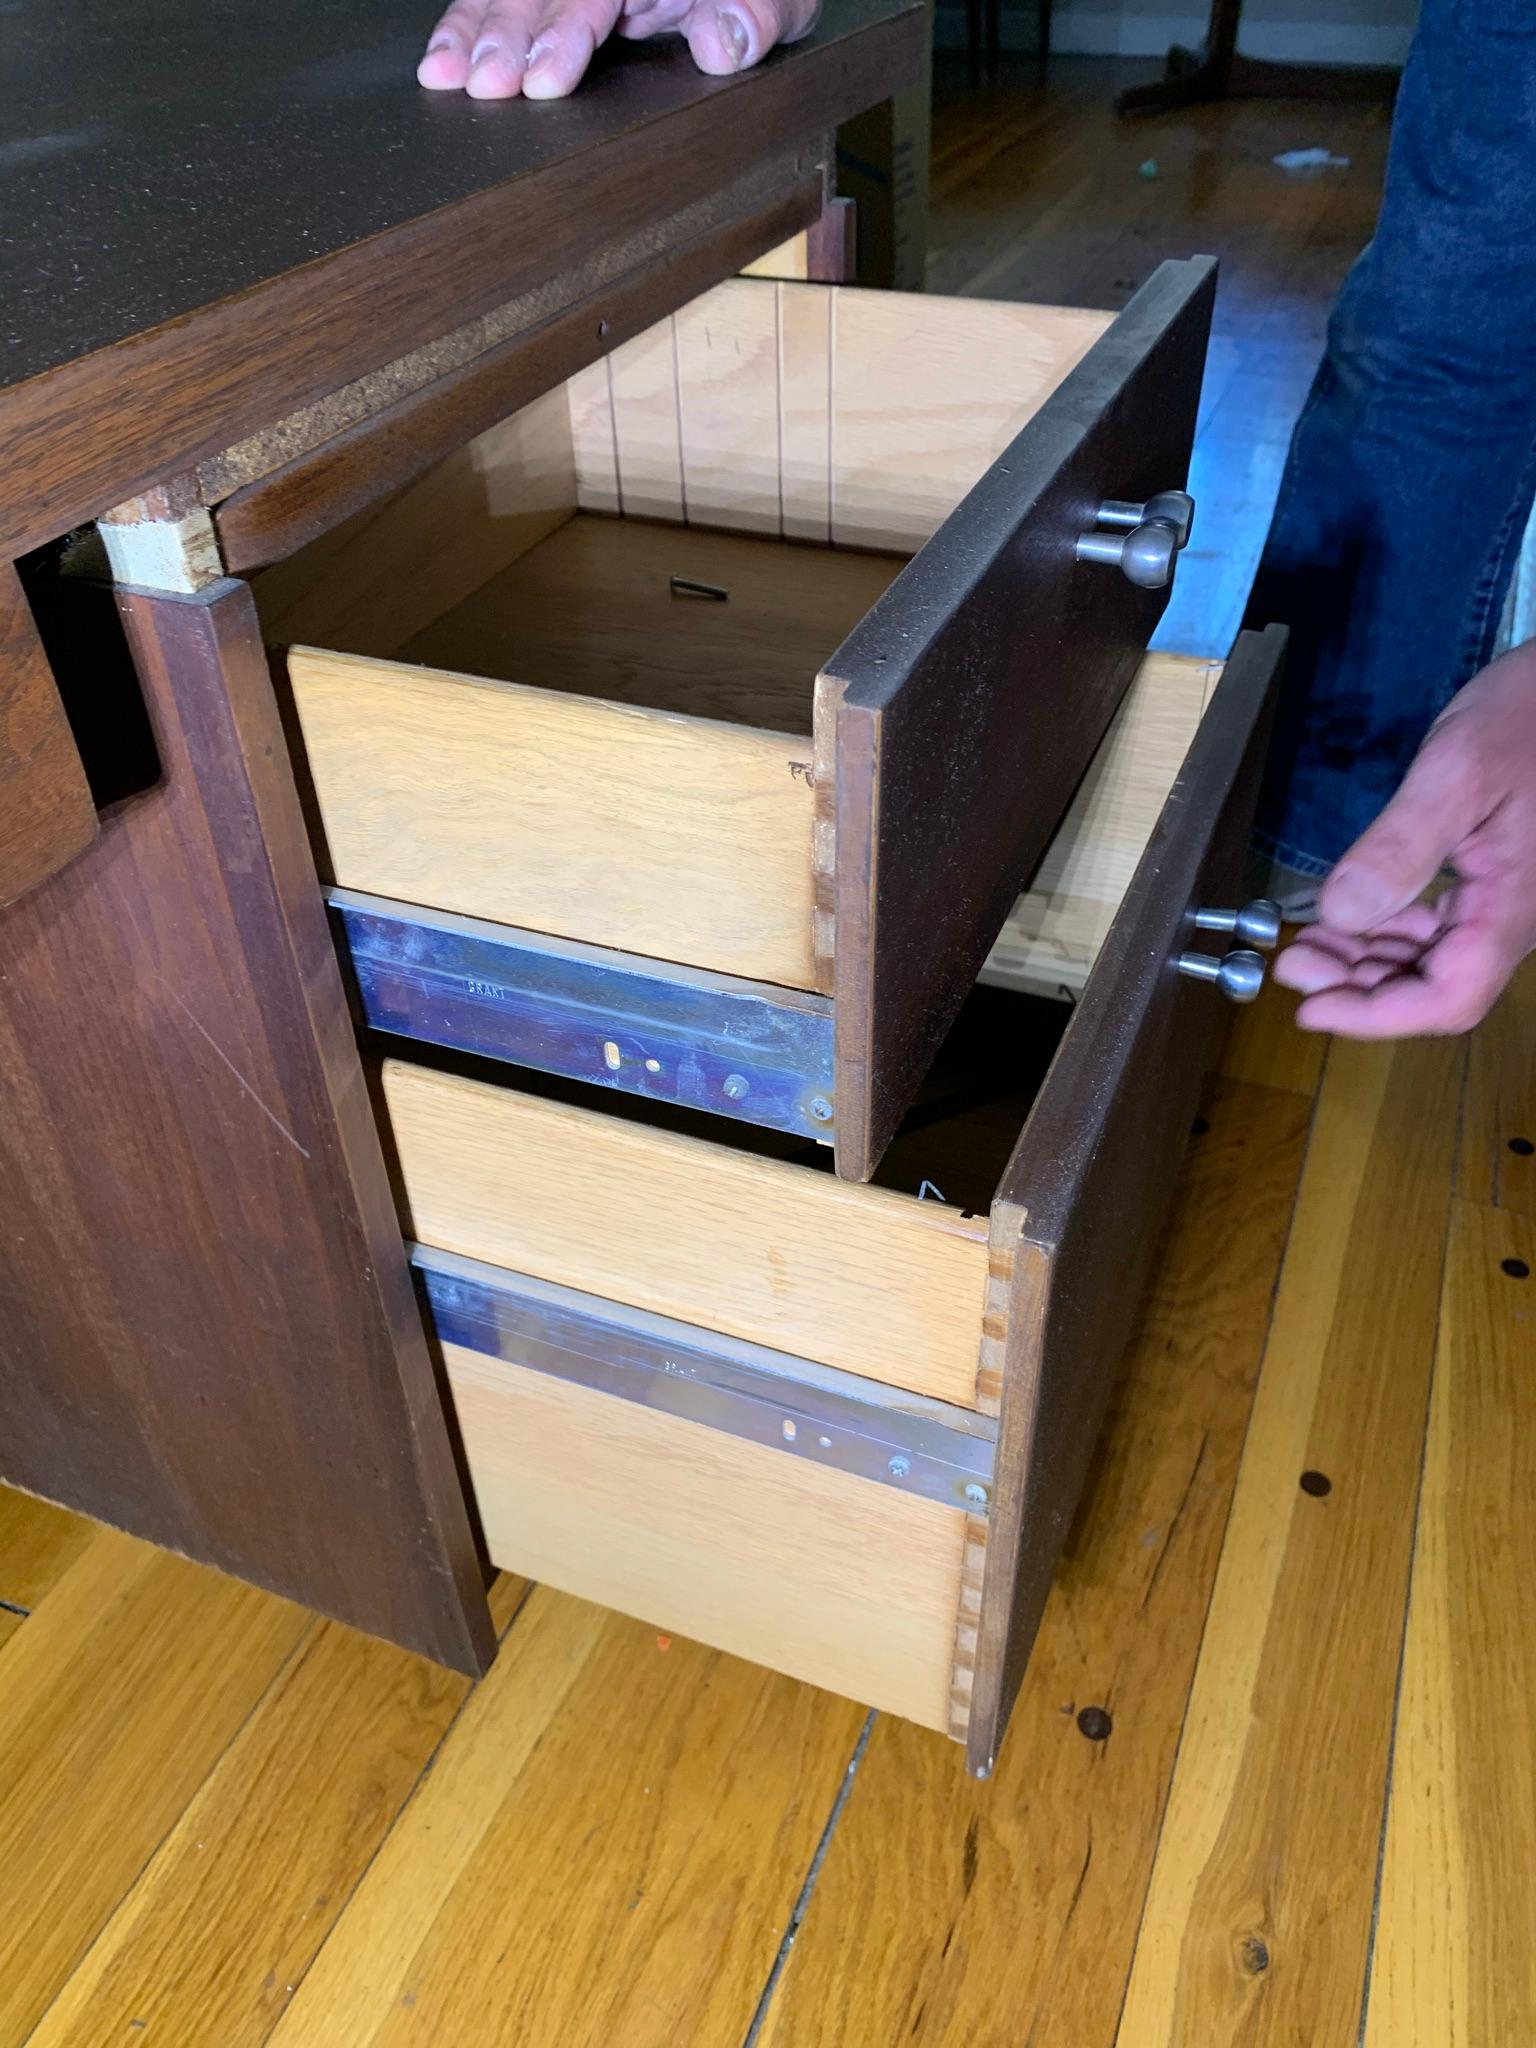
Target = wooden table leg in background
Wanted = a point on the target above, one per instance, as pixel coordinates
(1216, 71)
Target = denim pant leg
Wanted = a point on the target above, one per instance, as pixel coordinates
(1411, 470)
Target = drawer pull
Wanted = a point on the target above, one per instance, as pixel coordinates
(1146, 555)
(1144, 540)
(1239, 975)
(1256, 924)
(1173, 508)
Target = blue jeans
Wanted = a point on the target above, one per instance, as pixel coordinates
(1412, 467)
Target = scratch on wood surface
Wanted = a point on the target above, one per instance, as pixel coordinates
(271, 1116)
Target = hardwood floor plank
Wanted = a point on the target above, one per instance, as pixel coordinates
(1498, 1131)
(208, 1947)
(38, 1544)
(116, 1700)
(1259, 1911)
(1454, 1965)
(948, 1911)
(607, 1851)
(1264, 1045)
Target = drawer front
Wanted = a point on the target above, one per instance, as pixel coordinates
(969, 702)
(1080, 1208)
(714, 1489)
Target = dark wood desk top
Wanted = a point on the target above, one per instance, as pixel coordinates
(211, 210)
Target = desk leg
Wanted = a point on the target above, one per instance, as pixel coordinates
(209, 1335)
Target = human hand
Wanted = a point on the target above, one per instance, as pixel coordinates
(1380, 964)
(495, 49)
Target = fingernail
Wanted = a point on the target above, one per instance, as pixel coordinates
(538, 56)
(442, 42)
(1354, 898)
(487, 46)
(733, 36)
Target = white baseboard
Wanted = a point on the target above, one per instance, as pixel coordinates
(1112, 32)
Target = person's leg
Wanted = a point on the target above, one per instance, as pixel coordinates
(1412, 467)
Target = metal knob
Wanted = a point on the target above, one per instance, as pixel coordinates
(1174, 508)
(1146, 554)
(1239, 975)
(1256, 924)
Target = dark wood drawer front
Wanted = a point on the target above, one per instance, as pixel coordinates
(973, 695)
(1079, 1211)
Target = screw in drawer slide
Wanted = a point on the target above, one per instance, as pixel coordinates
(705, 1041)
(909, 1441)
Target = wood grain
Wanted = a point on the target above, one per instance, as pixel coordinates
(855, 1277)
(1500, 1103)
(841, 1582)
(120, 1694)
(680, 838)
(1452, 1965)
(592, 611)
(188, 1138)
(910, 425)
(727, 358)
(702, 1785)
(972, 697)
(926, 394)
(1264, 1044)
(46, 812)
(1054, 932)
(38, 1544)
(266, 1857)
(386, 574)
(950, 1911)
(1259, 1913)
(647, 433)
(589, 396)
(805, 415)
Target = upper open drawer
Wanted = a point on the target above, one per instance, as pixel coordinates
(701, 811)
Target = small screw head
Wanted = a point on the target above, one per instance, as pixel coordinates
(976, 1495)
(820, 1108)
(735, 1086)
(899, 1466)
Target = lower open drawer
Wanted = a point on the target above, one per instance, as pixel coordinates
(839, 1429)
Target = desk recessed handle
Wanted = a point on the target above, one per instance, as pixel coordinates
(1239, 975)
(1146, 555)
(1256, 924)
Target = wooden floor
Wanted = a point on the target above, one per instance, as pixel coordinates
(1270, 1778)
(1271, 1775)
(1041, 194)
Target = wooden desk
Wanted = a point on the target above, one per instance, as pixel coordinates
(251, 266)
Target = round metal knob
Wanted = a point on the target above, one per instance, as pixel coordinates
(1146, 554)
(1256, 924)
(1175, 508)
(1238, 975)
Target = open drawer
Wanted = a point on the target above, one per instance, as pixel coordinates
(838, 1429)
(694, 731)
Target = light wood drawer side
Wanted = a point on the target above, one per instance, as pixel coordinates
(680, 838)
(838, 1581)
(854, 1277)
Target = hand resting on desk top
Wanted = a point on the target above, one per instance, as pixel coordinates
(496, 49)
(1382, 963)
